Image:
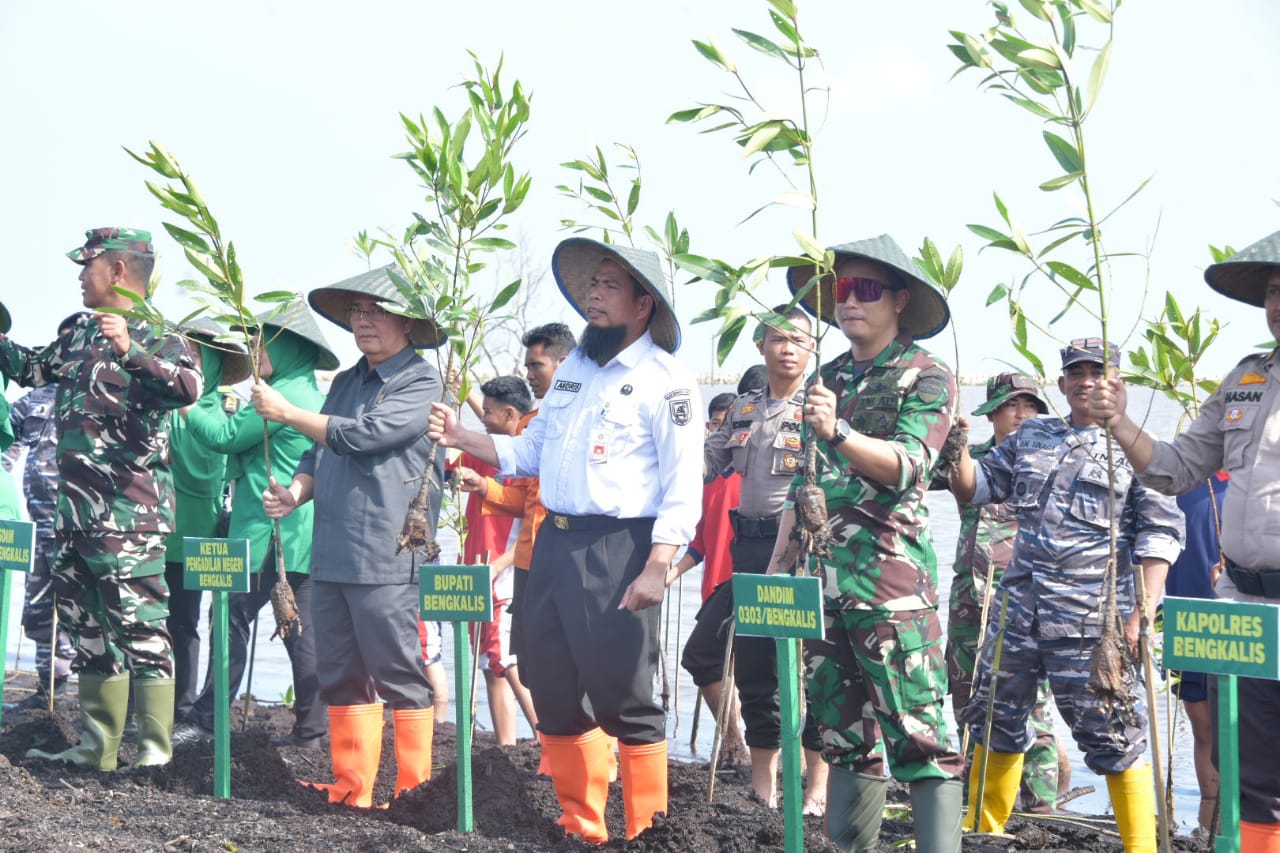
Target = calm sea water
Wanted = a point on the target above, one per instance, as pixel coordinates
(272, 676)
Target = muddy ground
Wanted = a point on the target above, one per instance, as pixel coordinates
(47, 807)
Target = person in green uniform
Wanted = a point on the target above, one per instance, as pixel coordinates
(199, 479)
(294, 349)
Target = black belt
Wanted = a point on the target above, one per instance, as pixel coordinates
(561, 521)
(746, 527)
(1253, 581)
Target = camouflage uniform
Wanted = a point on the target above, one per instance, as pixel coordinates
(985, 547)
(1054, 477)
(115, 501)
(881, 666)
(36, 429)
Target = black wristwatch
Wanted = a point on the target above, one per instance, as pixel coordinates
(842, 433)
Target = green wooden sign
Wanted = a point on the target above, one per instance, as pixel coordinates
(455, 594)
(778, 606)
(1222, 637)
(17, 545)
(220, 565)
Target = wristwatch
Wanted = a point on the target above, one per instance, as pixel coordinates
(842, 433)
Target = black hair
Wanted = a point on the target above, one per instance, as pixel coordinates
(790, 314)
(139, 264)
(555, 339)
(720, 403)
(756, 377)
(509, 391)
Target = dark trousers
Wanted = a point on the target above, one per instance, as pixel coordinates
(1259, 717)
(183, 624)
(587, 662)
(755, 665)
(515, 609)
(367, 643)
(703, 654)
(242, 609)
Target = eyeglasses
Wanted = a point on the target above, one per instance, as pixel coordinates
(377, 312)
(866, 289)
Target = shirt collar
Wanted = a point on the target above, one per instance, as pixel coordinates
(389, 367)
(634, 354)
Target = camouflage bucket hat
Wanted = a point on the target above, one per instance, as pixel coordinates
(332, 302)
(574, 264)
(1243, 276)
(1089, 349)
(925, 315)
(296, 318)
(1005, 386)
(6, 321)
(235, 361)
(99, 240)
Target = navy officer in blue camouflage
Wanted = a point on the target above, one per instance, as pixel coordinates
(1053, 473)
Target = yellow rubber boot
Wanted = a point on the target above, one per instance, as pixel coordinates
(580, 774)
(644, 784)
(1259, 837)
(1004, 775)
(1134, 801)
(414, 729)
(355, 745)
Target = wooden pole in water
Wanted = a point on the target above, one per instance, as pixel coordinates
(1149, 676)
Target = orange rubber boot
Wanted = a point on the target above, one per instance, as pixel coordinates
(355, 745)
(1259, 837)
(580, 773)
(544, 765)
(644, 784)
(414, 729)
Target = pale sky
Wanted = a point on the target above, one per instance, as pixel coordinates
(287, 114)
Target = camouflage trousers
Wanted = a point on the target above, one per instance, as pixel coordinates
(113, 598)
(37, 612)
(1112, 738)
(876, 686)
(1039, 792)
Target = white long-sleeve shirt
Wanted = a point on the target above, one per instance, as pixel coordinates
(623, 440)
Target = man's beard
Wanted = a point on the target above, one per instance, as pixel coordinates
(601, 343)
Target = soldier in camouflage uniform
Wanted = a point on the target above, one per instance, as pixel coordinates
(117, 380)
(982, 552)
(880, 414)
(35, 426)
(1053, 474)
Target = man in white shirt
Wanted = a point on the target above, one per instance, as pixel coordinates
(618, 449)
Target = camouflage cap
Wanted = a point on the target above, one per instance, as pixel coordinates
(1005, 386)
(99, 240)
(1089, 349)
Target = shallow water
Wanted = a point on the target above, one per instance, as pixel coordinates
(271, 677)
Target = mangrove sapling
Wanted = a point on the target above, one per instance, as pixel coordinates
(1037, 72)
(436, 257)
(221, 294)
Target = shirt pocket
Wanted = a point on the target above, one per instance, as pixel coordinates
(1237, 433)
(620, 423)
(1028, 484)
(556, 409)
(1089, 501)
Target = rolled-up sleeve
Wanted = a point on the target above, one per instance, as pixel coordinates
(1158, 526)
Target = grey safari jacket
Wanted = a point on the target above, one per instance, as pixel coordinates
(377, 440)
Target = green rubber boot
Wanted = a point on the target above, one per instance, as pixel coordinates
(855, 809)
(103, 703)
(153, 705)
(936, 805)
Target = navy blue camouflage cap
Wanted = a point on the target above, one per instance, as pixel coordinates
(1005, 386)
(1089, 349)
(99, 240)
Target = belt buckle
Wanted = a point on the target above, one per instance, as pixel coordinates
(562, 521)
